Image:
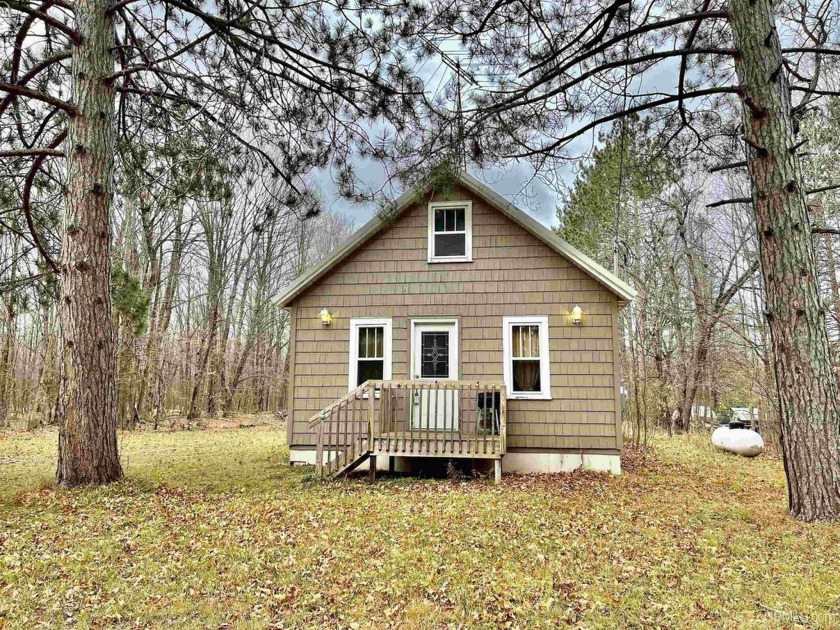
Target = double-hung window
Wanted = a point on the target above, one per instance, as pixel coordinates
(370, 351)
(450, 231)
(527, 370)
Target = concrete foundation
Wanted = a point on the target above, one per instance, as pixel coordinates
(516, 462)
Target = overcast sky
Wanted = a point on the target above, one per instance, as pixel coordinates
(515, 183)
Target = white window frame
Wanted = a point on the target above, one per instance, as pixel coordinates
(545, 358)
(355, 324)
(449, 205)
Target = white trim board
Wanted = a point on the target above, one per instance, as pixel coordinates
(353, 351)
(545, 357)
(468, 231)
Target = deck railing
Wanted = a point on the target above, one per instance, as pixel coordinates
(411, 418)
(344, 429)
(441, 418)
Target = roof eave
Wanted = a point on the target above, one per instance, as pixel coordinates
(376, 223)
(621, 289)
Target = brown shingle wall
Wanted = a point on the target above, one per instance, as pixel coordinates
(512, 273)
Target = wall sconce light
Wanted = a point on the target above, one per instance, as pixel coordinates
(577, 315)
(326, 317)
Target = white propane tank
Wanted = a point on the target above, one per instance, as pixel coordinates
(739, 441)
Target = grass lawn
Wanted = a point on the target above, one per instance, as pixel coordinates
(213, 529)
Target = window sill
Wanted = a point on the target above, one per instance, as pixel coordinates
(454, 259)
(513, 396)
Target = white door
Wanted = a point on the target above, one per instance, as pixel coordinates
(435, 357)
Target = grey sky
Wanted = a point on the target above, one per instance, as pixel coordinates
(515, 183)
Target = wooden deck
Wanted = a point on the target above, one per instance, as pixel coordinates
(451, 419)
(438, 444)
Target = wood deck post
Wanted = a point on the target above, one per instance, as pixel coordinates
(372, 468)
(497, 470)
(319, 451)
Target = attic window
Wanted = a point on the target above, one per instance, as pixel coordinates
(450, 231)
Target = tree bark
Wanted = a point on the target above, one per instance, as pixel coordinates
(203, 362)
(807, 386)
(87, 444)
(7, 364)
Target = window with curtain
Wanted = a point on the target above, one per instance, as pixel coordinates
(526, 358)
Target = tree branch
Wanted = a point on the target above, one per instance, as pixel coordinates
(589, 53)
(631, 110)
(797, 88)
(203, 110)
(32, 153)
(655, 56)
(816, 51)
(27, 210)
(33, 72)
(822, 189)
(72, 33)
(724, 297)
(18, 90)
(725, 202)
(724, 167)
(119, 5)
(684, 62)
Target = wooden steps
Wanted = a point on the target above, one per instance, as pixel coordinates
(422, 418)
(348, 460)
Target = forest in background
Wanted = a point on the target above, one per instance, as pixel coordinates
(201, 249)
(199, 254)
(696, 337)
(198, 259)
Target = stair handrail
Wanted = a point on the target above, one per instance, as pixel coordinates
(315, 420)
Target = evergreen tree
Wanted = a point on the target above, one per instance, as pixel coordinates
(625, 168)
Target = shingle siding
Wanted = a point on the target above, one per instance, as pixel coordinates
(512, 273)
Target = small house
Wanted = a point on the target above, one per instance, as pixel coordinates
(457, 327)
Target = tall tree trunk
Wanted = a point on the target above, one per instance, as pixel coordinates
(693, 375)
(161, 317)
(236, 377)
(807, 386)
(46, 365)
(87, 444)
(7, 364)
(203, 361)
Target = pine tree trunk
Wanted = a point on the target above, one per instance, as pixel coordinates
(807, 386)
(87, 445)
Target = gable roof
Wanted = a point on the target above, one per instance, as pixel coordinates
(624, 291)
